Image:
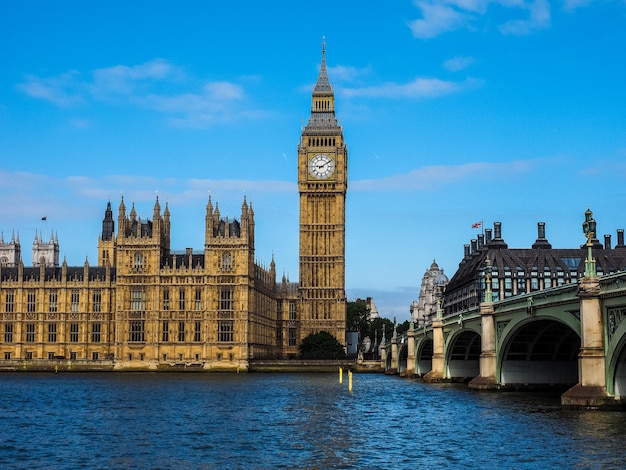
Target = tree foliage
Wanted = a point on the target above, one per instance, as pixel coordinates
(358, 319)
(321, 345)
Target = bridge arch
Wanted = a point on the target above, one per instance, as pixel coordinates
(463, 355)
(424, 356)
(403, 355)
(616, 361)
(539, 351)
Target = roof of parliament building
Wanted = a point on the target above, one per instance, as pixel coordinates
(518, 271)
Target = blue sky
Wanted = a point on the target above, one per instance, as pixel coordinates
(453, 111)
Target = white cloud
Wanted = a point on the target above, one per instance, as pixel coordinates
(436, 176)
(457, 64)
(347, 73)
(440, 16)
(539, 19)
(418, 88)
(571, 5)
(63, 90)
(437, 18)
(155, 85)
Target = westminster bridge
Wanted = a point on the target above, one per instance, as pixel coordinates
(570, 336)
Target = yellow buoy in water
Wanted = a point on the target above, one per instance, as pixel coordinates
(340, 375)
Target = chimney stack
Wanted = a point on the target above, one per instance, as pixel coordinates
(620, 238)
(488, 233)
(607, 242)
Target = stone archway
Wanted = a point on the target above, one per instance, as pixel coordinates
(540, 352)
(464, 356)
(403, 354)
(424, 357)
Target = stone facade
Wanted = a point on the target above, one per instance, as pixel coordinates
(145, 306)
(322, 183)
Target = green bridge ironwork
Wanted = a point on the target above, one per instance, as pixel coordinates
(572, 336)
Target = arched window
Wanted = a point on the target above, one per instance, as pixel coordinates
(138, 261)
(226, 261)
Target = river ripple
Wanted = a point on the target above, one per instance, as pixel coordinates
(195, 420)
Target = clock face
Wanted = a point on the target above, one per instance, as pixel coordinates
(321, 166)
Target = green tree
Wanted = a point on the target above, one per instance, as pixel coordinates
(358, 318)
(376, 329)
(321, 345)
(403, 327)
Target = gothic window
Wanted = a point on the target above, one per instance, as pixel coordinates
(196, 333)
(53, 307)
(225, 314)
(137, 331)
(96, 331)
(226, 301)
(181, 299)
(165, 332)
(225, 331)
(73, 332)
(292, 337)
(97, 301)
(31, 301)
(75, 301)
(52, 332)
(181, 331)
(226, 261)
(138, 261)
(30, 332)
(166, 299)
(198, 303)
(8, 332)
(292, 310)
(137, 300)
(10, 301)
(4, 261)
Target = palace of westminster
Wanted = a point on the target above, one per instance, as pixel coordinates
(145, 306)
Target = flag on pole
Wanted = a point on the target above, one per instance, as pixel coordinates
(477, 224)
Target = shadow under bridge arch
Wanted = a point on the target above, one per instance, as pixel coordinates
(541, 352)
(464, 356)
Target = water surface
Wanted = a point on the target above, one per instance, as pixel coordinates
(143, 420)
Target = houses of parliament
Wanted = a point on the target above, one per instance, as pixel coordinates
(147, 306)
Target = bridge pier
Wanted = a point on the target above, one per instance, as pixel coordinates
(591, 388)
(394, 353)
(410, 360)
(436, 373)
(487, 379)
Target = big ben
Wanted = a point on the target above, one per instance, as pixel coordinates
(322, 184)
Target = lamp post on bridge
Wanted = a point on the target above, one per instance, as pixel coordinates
(589, 229)
(488, 291)
(591, 390)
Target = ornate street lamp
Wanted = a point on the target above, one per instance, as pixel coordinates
(589, 229)
(440, 284)
(488, 291)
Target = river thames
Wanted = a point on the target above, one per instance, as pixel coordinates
(196, 420)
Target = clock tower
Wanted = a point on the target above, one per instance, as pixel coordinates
(322, 184)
